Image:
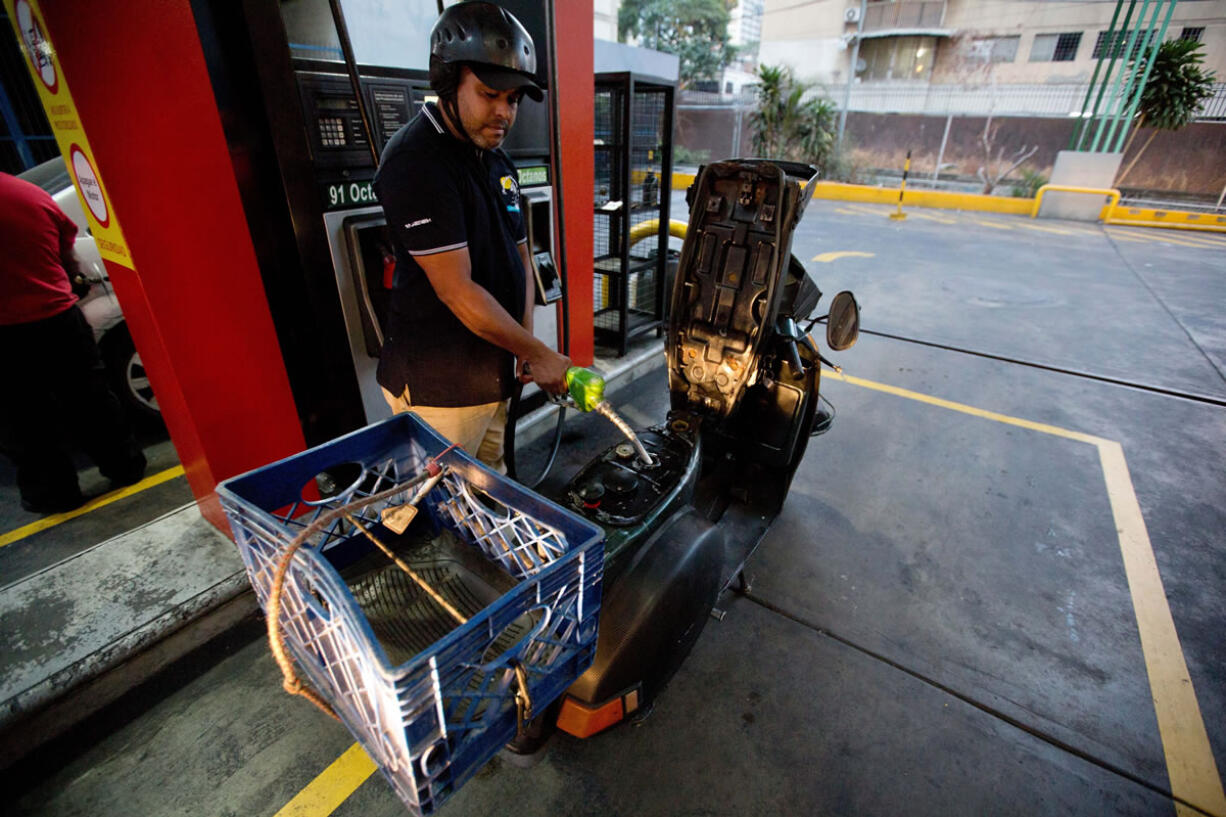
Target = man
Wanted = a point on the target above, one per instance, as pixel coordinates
(56, 382)
(460, 315)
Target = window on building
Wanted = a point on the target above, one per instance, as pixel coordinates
(1192, 33)
(1114, 44)
(1055, 47)
(897, 58)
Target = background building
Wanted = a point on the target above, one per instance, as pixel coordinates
(1010, 57)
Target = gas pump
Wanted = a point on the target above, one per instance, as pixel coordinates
(326, 258)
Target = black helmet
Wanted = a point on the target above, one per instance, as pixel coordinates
(490, 41)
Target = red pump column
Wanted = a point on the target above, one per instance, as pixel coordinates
(192, 292)
(577, 126)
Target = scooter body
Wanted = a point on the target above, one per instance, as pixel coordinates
(744, 392)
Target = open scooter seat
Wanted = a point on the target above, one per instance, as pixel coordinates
(731, 278)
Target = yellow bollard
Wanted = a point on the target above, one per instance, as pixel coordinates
(901, 188)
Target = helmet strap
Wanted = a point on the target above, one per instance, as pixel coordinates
(451, 109)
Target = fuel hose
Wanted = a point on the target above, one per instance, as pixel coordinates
(555, 161)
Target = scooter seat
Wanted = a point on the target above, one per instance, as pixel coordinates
(730, 278)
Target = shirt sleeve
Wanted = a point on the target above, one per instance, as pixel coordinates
(423, 204)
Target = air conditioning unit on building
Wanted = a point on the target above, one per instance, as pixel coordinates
(851, 15)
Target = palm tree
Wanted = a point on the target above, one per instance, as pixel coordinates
(788, 126)
(1176, 87)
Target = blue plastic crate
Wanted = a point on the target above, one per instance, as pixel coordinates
(429, 719)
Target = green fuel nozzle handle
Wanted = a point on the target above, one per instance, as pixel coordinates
(586, 387)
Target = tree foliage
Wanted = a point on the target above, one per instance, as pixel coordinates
(1176, 87)
(786, 124)
(694, 30)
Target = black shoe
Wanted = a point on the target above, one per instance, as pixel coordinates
(127, 479)
(130, 474)
(58, 505)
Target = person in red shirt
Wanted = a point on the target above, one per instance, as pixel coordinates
(55, 387)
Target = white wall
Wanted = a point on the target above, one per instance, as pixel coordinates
(822, 60)
(604, 19)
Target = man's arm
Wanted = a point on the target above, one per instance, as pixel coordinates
(450, 274)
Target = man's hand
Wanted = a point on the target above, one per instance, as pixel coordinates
(547, 369)
(450, 275)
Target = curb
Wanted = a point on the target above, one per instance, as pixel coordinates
(122, 618)
(939, 199)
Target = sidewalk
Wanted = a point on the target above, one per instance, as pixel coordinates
(80, 633)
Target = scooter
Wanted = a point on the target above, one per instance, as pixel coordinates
(685, 503)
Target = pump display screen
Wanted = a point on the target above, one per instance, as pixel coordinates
(335, 104)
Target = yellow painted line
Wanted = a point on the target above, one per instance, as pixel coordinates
(995, 224)
(930, 217)
(827, 257)
(1212, 238)
(1159, 239)
(1191, 768)
(844, 211)
(92, 505)
(1094, 231)
(325, 793)
(965, 409)
(1138, 239)
(1182, 240)
(868, 211)
(1056, 230)
(1189, 758)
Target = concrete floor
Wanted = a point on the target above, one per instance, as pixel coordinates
(940, 623)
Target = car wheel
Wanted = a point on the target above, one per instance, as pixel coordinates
(128, 377)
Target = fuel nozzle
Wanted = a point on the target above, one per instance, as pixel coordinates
(585, 389)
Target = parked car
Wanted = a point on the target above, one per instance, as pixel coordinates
(101, 307)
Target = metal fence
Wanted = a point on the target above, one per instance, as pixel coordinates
(965, 100)
(999, 100)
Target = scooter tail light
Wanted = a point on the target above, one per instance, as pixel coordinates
(584, 721)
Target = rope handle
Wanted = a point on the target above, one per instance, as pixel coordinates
(523, 699)
(290, 681)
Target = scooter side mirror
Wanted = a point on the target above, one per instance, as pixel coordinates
(843, 324)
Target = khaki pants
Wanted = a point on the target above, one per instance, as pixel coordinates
(479, 430)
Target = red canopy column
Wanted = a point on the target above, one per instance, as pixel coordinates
(576, 103)
(195, 302)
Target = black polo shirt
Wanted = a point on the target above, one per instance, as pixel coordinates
(441, 194)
